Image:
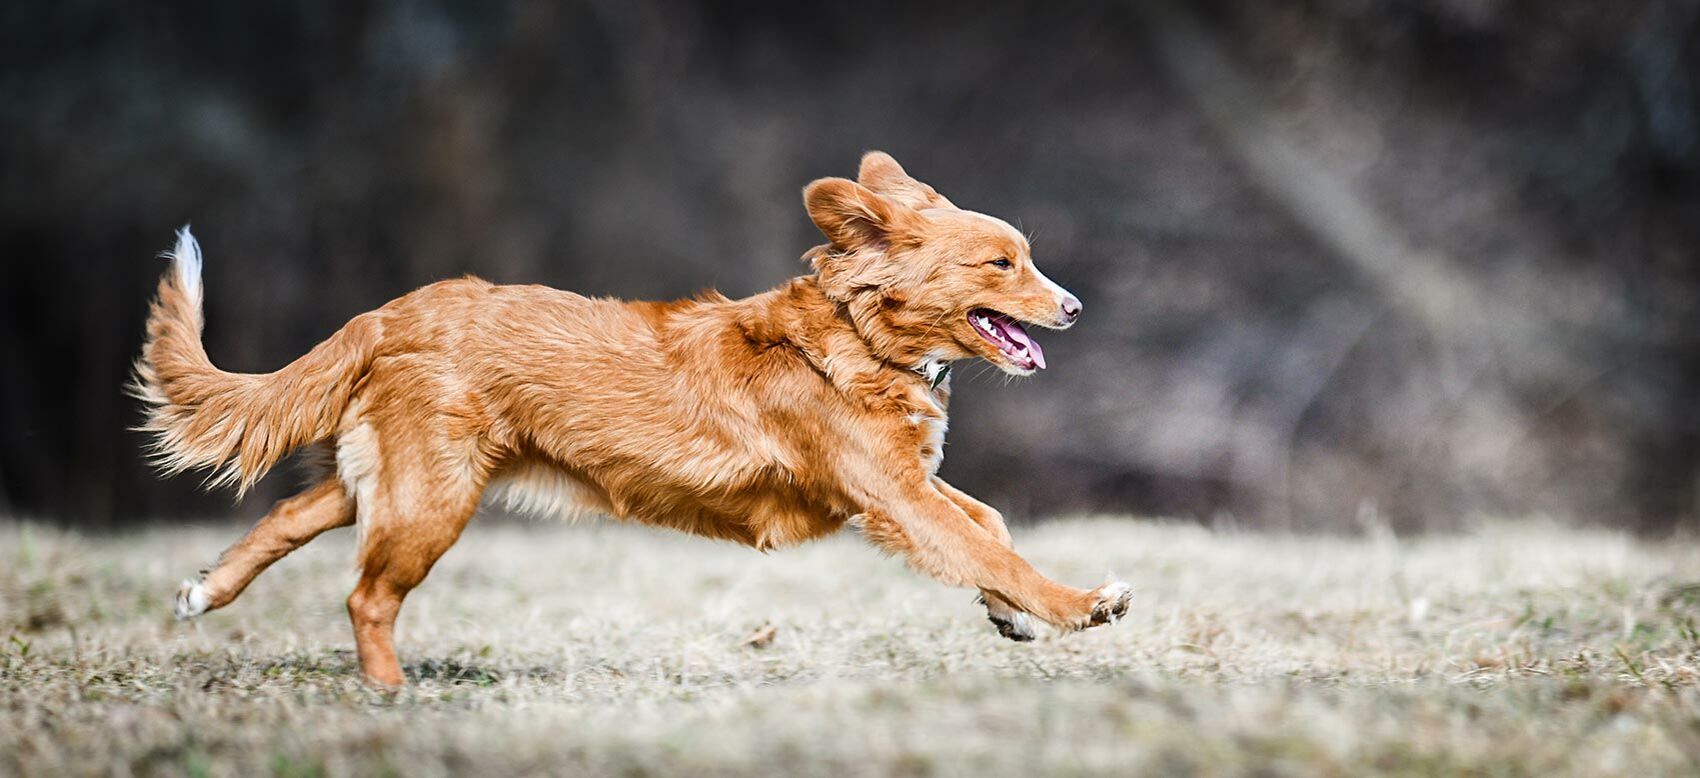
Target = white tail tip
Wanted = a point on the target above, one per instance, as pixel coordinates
(186, 257)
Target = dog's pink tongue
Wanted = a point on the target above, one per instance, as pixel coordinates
(1038, 353)
(1018, 334)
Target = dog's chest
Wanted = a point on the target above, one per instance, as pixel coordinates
(928, 420)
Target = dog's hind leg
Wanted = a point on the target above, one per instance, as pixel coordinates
(405, 538)
(288, 526)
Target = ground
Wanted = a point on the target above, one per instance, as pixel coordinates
(1520, 648)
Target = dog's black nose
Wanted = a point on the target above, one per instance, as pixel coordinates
(1071, 308)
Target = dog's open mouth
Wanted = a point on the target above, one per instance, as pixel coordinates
(1009, 336)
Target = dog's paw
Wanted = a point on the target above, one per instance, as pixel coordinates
(192, 599)
(1011, 623)
(1015, 625)
(1110, 605)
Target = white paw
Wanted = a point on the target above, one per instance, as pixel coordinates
(1015, 625)
(1113, 599)
(1011, 623)
(192, 599)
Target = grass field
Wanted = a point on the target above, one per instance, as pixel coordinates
(1522, 649)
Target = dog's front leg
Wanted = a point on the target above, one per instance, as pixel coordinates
(937, 537)
(1010, 622)
(982, 514)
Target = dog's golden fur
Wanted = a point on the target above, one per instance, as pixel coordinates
(767, 421)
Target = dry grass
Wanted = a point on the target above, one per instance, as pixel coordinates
(598, 649)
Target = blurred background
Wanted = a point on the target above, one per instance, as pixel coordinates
(1346, 263)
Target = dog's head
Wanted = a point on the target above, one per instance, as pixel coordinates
(925, 280)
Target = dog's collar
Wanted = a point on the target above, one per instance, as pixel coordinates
(934, 371)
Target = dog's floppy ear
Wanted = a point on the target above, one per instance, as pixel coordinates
(854, 217)
(863, 226)
(882, 174)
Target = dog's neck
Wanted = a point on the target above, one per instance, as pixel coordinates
(890, 333)
(827, 333)
(936, 371)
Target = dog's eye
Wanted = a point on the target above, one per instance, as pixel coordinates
(1002, 263)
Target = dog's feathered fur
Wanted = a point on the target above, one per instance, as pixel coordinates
(768, 421)
(238, 425)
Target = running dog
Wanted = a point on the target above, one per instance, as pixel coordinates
(768, 421)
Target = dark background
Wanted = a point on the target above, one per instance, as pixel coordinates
(1346, 263)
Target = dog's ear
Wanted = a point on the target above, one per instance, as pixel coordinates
(882, 174)
(863, 226)
(854, 217)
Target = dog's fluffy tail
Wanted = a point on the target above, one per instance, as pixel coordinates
(236, 424)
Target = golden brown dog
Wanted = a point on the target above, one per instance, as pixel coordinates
(769, 420)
